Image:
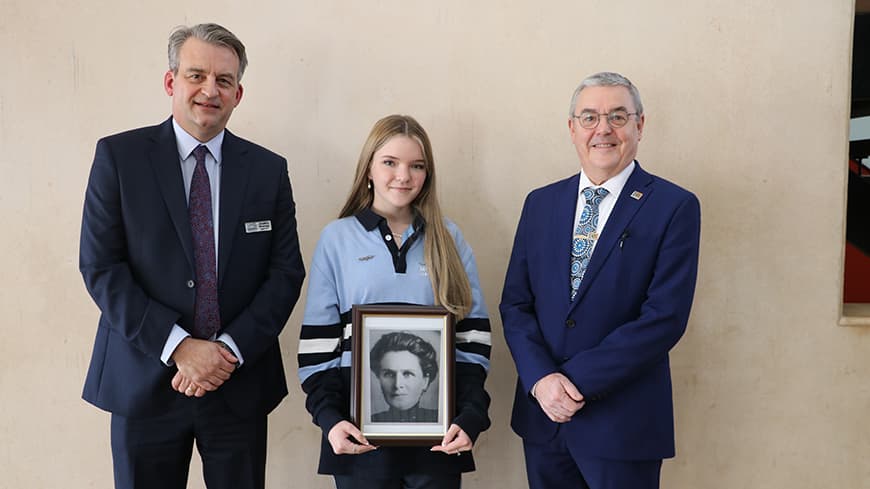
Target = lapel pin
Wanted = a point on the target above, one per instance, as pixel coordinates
(636, 195)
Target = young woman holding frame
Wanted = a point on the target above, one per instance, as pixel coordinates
(391, 244)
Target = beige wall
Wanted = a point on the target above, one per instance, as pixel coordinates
(746, 103)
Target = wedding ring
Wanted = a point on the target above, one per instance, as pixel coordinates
(354, 449)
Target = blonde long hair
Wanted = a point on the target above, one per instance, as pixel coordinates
(447, 275)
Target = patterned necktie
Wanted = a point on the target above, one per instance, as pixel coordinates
(585, 235)
(206, 320)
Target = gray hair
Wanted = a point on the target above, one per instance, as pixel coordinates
(606, 79)
(211, 33)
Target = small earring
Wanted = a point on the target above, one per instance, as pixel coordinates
(370, 185)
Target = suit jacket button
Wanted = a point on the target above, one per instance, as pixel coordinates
(190, 284)
(569, 323)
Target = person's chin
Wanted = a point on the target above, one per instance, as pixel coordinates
(401, 404)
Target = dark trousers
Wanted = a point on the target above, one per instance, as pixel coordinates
(553, 466)
(155, 452)
(413, 481)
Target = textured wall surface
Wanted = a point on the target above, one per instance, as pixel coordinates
(747, 105)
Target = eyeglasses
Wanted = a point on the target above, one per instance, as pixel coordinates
(616, 118)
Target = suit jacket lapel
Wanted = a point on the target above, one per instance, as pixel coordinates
(167, 166)
(620, 217)
(234, 182)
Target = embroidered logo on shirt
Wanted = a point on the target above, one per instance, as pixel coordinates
(366, 258)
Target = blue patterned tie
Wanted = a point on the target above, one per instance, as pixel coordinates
(206, 320)
(585, 235)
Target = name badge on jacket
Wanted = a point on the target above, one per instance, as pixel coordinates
(258, 226)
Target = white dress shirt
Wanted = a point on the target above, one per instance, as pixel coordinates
(186, 145)
(614, 187)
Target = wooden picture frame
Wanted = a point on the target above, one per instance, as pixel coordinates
(408, 400)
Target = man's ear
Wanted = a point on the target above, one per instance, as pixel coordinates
(169, 82)
(238, 96)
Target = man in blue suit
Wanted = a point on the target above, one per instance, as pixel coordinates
(189, 249)
(598, 290)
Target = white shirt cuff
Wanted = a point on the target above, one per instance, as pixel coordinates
(176, 336)
(232, 344)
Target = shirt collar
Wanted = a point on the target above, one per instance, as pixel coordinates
(187, 143)
(371, 219)
(613, 185)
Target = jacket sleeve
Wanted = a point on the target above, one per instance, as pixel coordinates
(522, 331)
(104, 262)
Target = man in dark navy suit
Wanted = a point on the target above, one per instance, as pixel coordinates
(189, 249)
(598, 290)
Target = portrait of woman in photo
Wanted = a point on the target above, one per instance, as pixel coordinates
(405, 366)
(391, 245)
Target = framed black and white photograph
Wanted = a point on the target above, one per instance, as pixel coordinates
(402, 373)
